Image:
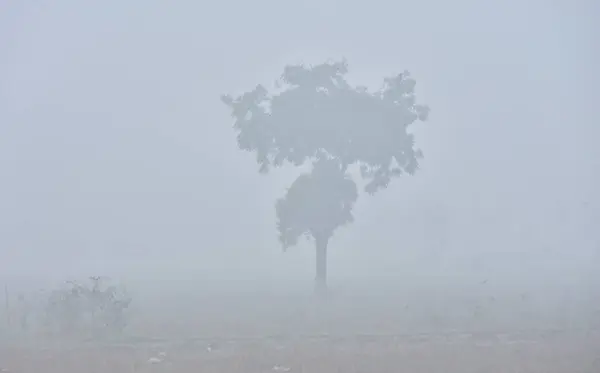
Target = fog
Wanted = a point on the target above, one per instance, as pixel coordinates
(117, 157)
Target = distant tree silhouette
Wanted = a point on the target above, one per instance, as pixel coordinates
(319, 118)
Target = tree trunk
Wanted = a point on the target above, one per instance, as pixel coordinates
(321, 265)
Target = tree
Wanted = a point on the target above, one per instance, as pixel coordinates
(320, 119)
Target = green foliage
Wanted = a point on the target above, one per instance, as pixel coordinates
(320, 118)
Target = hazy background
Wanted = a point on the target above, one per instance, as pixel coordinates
(117, 157)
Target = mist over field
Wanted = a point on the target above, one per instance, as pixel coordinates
(121, 155)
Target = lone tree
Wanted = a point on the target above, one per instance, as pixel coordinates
(320, 119)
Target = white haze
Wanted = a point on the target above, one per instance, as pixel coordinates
(117, 157)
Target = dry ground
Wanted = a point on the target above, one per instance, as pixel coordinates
(436, 332)
(527, 352)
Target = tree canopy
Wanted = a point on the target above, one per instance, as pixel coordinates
(320, 112)
(316, 203)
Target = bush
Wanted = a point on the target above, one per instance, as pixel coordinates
(94, 306)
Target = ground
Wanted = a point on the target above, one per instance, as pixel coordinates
(503, 332)
(558, 352)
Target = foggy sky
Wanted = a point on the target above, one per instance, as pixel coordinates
(116, 154)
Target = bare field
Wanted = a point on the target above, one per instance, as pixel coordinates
(450, 332)
(559, 352)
